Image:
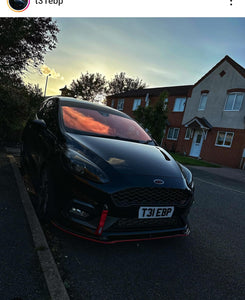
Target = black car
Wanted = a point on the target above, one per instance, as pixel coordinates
(18, 4)
(100, 176)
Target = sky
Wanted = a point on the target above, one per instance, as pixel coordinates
(160, 51)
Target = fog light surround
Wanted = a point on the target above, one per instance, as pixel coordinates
(79, 212)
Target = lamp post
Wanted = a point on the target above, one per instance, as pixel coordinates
(46, 85)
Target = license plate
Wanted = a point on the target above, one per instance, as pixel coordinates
(155, 212)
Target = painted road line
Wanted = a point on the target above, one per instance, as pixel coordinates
(52, 276)
(219, 185)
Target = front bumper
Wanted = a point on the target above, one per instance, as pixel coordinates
(110, 229)
(84, 214)
(113, 237)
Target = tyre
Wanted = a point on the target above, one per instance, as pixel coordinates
(45, 197)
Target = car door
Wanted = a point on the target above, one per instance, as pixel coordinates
(29, 147)
(47, 138)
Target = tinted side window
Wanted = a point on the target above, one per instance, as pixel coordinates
(49, 113)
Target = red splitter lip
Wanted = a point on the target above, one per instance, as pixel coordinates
(118, 241)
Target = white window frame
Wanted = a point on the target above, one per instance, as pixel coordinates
(179, 105)
(236, 94)
(204, 97)
(120, 104)
(147, 100)
(172, 136)
(136, 104)
(188, 133)
(223, 145)
(165, 104)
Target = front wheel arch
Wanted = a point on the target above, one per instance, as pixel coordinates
(46, 195)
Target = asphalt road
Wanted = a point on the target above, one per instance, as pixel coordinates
(209, 264)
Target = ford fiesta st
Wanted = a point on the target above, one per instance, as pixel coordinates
(100, 176)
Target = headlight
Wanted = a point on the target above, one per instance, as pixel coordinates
(83, 167)
(187, 175)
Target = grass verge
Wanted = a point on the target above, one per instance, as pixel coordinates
(186, 160)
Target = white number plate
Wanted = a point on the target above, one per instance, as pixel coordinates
(155, 212)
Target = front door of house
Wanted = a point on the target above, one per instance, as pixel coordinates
(197, 144)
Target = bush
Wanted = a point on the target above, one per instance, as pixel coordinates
(153, 118)
(18, 103)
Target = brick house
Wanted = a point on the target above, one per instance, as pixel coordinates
(177, 97)
(205, 120)
(213, 125)
(129, 101)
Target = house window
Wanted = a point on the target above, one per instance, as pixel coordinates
(203, 102)
(222, 73)
(136, 104)
(234, 101)
(120, 104)
(179, 104)
(112, 102)
(188, 133)
(173, 133)
(224, 139)
(147, 100)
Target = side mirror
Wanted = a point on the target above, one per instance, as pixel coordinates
(38, 123)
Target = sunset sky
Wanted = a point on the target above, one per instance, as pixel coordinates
(160, 51)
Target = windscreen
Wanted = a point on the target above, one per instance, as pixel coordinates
(96, 122)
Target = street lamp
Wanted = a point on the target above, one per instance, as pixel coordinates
(46, 85)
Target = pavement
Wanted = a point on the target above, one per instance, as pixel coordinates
(27, 268)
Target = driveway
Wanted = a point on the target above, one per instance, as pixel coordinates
(230, 173)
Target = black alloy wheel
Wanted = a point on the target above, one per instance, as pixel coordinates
(45, 196)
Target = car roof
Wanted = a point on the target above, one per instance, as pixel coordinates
(89, 105)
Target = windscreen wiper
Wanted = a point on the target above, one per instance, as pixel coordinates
(116, 137)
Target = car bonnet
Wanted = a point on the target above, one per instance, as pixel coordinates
(130, 157)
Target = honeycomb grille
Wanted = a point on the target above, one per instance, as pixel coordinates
(150, 196)
(146, 224)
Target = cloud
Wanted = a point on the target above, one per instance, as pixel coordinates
(47, 70)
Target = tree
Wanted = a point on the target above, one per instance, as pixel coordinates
(153, 117)
(18, 104)
(121, 83)
(88, 86)
(24, 41)
(35, 97)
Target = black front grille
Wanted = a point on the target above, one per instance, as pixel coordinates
(150, 196)
(146, 224)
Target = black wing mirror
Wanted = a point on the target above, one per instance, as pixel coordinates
(39, 123)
